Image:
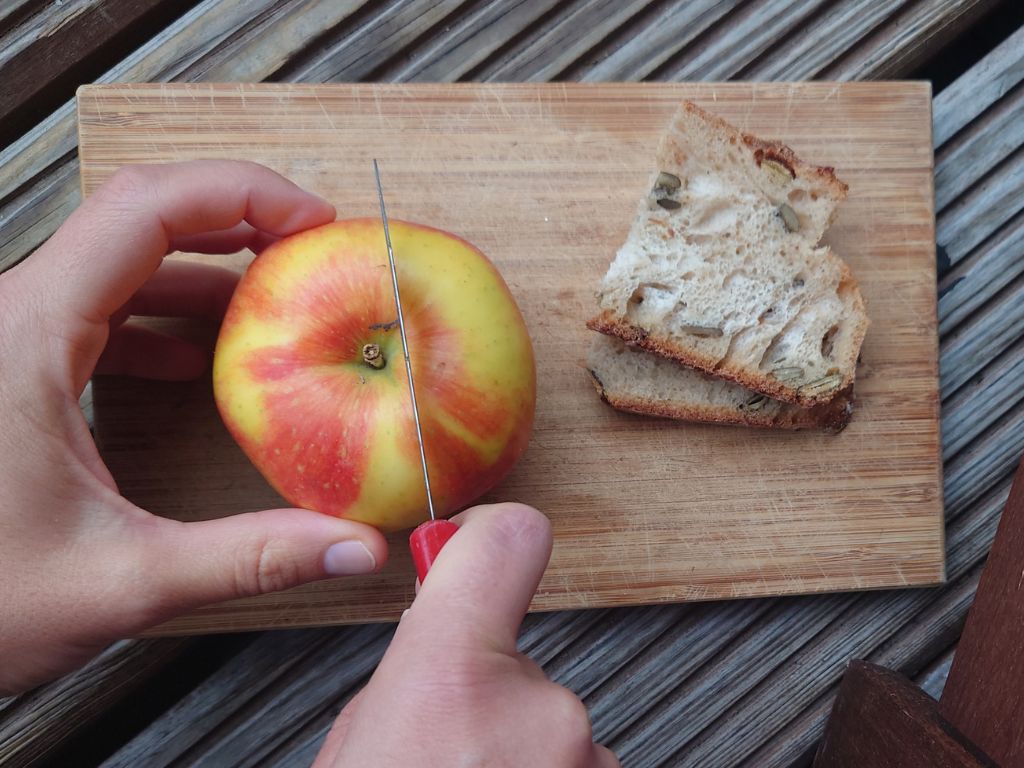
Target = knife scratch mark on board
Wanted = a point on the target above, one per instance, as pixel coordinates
(323, 109)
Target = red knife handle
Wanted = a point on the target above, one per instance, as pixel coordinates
(426, 543)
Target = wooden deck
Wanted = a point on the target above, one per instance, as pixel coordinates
(714, 684)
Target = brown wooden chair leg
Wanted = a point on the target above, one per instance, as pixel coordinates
(984, 694)
(882, 720)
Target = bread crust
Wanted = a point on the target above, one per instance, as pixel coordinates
(775, 150)
(832, 417)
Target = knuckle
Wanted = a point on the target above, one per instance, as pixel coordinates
(571, 716)
(128, 182)
(264, 567)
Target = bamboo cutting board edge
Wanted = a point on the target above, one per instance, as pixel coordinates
(319, 604)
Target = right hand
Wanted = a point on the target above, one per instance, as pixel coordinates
(452, 689)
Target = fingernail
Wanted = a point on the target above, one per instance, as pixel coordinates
(349, 558)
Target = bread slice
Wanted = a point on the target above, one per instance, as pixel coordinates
(722, 269)
(639, 382)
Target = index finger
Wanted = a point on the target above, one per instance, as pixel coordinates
(117, 238)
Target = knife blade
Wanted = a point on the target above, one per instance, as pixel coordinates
(428, 538)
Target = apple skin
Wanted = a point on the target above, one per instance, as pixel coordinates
(332, 433)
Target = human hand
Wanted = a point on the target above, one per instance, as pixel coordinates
(82, 566)
(451, 689)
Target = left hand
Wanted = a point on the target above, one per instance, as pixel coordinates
(80, 565)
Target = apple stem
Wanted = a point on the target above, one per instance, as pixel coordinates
(372, 356)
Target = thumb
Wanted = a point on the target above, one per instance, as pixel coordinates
(482, 582)
(255, 553)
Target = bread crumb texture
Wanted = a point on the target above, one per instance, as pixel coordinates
(723, 271)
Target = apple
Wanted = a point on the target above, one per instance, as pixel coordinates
(310, 379)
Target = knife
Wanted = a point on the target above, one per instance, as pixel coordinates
(428, 539)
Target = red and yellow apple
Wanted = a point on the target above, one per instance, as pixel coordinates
(298, 386)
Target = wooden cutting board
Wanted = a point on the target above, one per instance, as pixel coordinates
(544, 179)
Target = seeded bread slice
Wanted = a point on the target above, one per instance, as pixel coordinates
(722, 269)
(639, 382)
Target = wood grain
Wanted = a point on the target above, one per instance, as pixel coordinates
(466, 42)
(37, 55)
(975, 281)
(985, 207)
(644, 511)
(226, 40)
(38, 723)
(971, 156)
(661, 32)
(983, 85)
(984, 694)
(839, 26)
(919, 32)
(881, 720)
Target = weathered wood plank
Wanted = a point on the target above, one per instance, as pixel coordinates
(44, 49)
(936, 627)
(545, 635)
(40, 722)
(41, 150)
(883, 720)
(32, 216)
(300, 756)
(234, 34)
(270, 41)
(722, 681)
(817, 667)
(677, 653)
(794, 746)
(42, 21)
(984, 461)
(984, 694)
(13, 12)
(981, 338)
(984, 209)
(363, 47)
(568, 36)
(465, 43)
(979, 88)
(686, 645)
(812, 47)
(279, 679)
(239, 39)
(636, 50)
(983, 400)
(607, 646)
(323, 682)
(903, 44)
(932, 679)
(727, 48)
(976, 279)
(971, 155)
